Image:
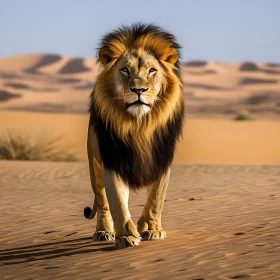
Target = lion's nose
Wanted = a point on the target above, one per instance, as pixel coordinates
(138, 91)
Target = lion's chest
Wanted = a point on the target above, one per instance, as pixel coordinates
(125, 160)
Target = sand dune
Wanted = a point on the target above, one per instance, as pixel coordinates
(249, 66)
(20, 63)
(17, 85)
(45, 60)
(253, 67)
(56, 66)
(218, 89)
(277, 65)
(73, 66)
(250, 81)
(195, 63)
(6, 95)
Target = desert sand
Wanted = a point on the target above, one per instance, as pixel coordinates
(222, 207)
(222, 222)
(204, 141)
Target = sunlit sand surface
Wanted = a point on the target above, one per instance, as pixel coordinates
(205, 141)
(222, 222)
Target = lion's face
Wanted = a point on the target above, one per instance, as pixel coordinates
(139, 87)
(138, 79)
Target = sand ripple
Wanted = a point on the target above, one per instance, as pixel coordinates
(222, 223)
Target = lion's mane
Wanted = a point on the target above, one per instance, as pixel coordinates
(139, 150)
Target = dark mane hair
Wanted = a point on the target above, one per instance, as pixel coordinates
(130, 35)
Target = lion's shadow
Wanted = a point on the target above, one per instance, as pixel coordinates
(52, 250)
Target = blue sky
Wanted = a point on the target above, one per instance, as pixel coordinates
(222, 30)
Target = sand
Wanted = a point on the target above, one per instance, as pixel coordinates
(222, 222)
(205, 141)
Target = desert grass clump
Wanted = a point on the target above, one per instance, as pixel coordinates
(16, 146)
(242, 117)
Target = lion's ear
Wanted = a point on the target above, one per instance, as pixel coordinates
(170, 55)
(105, 55)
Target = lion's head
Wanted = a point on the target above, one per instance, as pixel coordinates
(140, 83)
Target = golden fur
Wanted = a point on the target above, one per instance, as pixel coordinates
(136, 117)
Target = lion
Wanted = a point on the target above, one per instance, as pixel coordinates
(136, 118)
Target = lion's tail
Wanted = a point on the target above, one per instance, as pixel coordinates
(90, 213)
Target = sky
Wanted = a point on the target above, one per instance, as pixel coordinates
(220, 30)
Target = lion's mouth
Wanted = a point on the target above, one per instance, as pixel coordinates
(138, 102)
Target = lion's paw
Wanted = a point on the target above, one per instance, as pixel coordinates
(153, 234)
(103, 236)
(126, 241)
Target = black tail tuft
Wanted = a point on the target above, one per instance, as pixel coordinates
(87, 212)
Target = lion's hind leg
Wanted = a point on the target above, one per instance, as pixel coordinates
(149, 224)
(104, 227)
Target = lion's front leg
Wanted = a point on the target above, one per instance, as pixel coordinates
(117, 194)
(149, 225)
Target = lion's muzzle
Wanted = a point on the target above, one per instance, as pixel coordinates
(139, 102)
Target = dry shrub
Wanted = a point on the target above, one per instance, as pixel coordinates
(42, 147)
(242, 117)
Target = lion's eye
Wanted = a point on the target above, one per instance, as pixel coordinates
(152, 70)
(124, 70)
